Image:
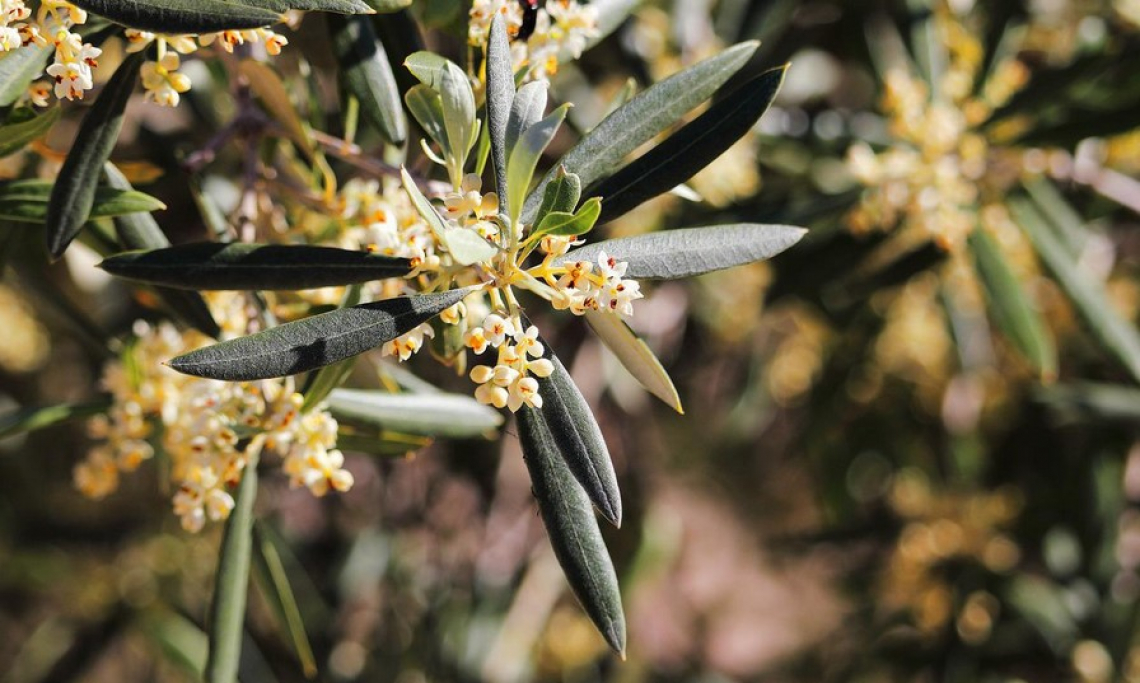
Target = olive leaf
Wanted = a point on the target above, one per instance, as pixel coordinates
(14, 136)
(1008, 304)
(270, 575)
(316, 341)
(73, 194)
(464, 244)
(500, 99)
(526, 110)
(227, 608)
(438, 414)
(426, 106)
(604, 149)
(524, 158)
(566, 224)
(458, 112)
(367, 75)
(34, 418)
(274, 96)
(18, 68)
(141, 231)
(242, 266)
(1088, 296)
(401, 36)
(572, 528)
(674, 254)
(1093, 401)
(428, 67)
(29, 201)
(209, 16)
(561, 194)
(684, 153)
(635, 355)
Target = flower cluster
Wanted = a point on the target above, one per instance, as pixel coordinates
(210, 430)
(509, 382)
(940, 168)
(562, 29)
(72, 68)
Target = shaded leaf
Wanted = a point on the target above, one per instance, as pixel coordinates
(401, 36)
(635, 355)
(183, 16)
(1013, 312)
(572, 528)
(227, 609)
(73, 194)
(321, 383)
(367, 75)
(267, 85)
(604, 149)
(180, 640)
(500, 99)
(454, 416)
(242, 266)
(316, 341)
(684, 153)
(682, 253)
(269, 573)
(29, 201)
(564, 224)
(426, 106)
(14, 136)
(524, 159)
(385, 444)
(1087, 295)
(1089, 401)
(30, 419)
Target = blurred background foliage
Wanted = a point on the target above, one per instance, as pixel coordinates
(910, 444)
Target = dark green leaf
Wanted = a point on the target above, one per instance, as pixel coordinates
(1087, 295)
(320, 384)
(141, 231)
(19, 68)
(572, 528)
(73, 195)
(32, 419)
(1018, 319)
(453, 416)
(367, 74)
(183, 16)
(29, 201)
(578, 438)
(241, 266)
(500, 98)
(401, 36)
(270, 576)
(682, 253)
(604, 149)
(14, 136)
(690, 149)
(561, 194)
(317, 341)
(231, 583)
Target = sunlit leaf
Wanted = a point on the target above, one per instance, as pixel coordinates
(316, 341)
(18, 68)
(14, 136)
(423, 206)
(524, 158)
(564, 224)
(673, 254)
(561, 194)
(243, 266)
(231, 583)
(466, 246)
(635, 355)
(500, 98)
(445, 415)
(572, 528)
(684, 153)
(1006, 299)
(321, 383)
(1088, 296)
(73, 194)
(428, 67)
(603, 150)
(32, 419)
(367, 74)
(29, 201)
(458, 110)
(526, 110)
(267, 85)
(426, 106)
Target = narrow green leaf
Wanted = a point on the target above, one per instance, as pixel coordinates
(274, 96)
(182, 16)
(635, 355)
(604, 149)
(317, 341)
(14, 136)
(270, 576)
(242, 266)
(402, 37)
(141, 231)
(1090, 401)
(684, 153)
(674, 254)
(458, 111)
(526, 110)
(73, 194)
(563, 224)
(181, 641)
(561, 194)
(453, 416)
(227, 610)
(1069, 224)
(23, 420)
(572, 528)
(423, 206)
(426, 106)
(320, 384)
(367, 74)
(18, 68)
(1088, 296)
(29, 201)
(524, 158)
(1013, 312)
(386, 444)
(335, 6)
(500, 98)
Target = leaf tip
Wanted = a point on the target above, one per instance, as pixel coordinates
(614, 633)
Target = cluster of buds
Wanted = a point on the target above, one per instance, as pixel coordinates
(562, 29)
(209, 430)
(509, 382)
